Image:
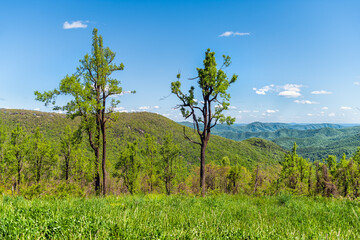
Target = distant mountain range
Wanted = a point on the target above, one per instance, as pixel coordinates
(315, 141)
(257, 127)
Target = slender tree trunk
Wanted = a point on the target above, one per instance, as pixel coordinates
(97, 176)
(309, 180)
(19, 174)
(103, 166)
(167, 184)
(18, 169)
(318, 184)
(38, 175)
(256, 179)
(66, 168)
(202, 168)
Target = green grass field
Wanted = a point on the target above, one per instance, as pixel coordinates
(180, 217)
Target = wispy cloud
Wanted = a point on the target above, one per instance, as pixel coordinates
(271, 111)
(321, 92)
(120, 109)
(345, 108)
(264, 90)
(74, 24)
(325, 108)
(331, 114)
(145, 108)
(244, 111)
(357, 83)
(230, 33)
(305, 102)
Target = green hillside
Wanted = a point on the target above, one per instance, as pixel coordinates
(259, 127)
(134, 125)
(315, 141)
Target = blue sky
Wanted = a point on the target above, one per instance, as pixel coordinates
(297, 61)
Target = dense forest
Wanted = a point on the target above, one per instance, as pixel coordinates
(315, 141)
(44, 154)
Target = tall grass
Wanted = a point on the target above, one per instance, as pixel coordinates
(180, 217)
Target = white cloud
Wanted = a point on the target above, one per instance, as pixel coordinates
(271, 111)
(230, 33)
(287, 90)
(309, 114)
(36, 109)
(123, 93)
(357, 83)
(144, 108)
(321, 92)
(264, 90)
(232, 107)
(244, 111)
(305, 102)
(290, 90)
(325, 108)
(74, 24)
(345, 108)
(290, 94)
(120, 109)
(331, 114)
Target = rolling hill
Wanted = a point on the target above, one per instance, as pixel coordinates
(134, 125)
(315, 141)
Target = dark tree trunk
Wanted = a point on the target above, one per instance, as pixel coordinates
(310, 181)
(256, 179)
(19, 173)
(97, 176)
(168, 186)
(318, 183)
(66, 168)
(103, 165)
(202, 168)
(18, 170)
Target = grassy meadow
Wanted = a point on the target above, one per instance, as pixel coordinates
(180, 217)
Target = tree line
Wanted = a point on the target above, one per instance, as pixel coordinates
(30, 162)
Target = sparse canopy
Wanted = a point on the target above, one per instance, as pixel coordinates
(213, 84)
(90, 88)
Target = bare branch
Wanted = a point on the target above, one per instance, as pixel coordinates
(189, 138)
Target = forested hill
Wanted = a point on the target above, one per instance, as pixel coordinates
(315, 141)
(129, 126)
(257, 127)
